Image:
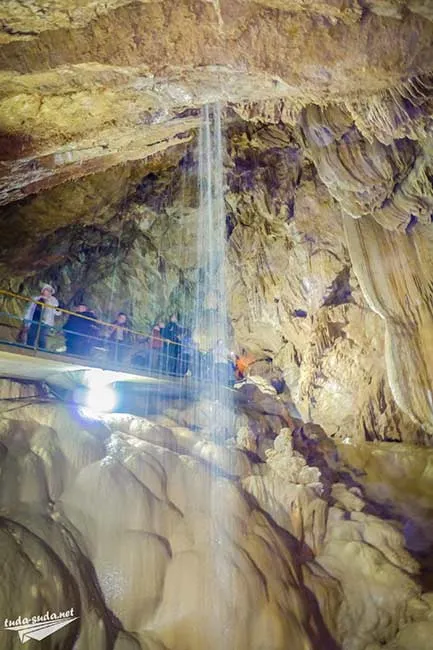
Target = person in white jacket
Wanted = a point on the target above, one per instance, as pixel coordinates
(39, 319)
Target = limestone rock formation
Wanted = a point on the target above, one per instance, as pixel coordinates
(396, 274)
(156, 545)
(324, 119)
(312, 520)
(88, 85)
(298, 293)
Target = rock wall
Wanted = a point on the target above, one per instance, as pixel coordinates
(161, 538)
(299, 276)
(99, 108)
(396, 274)
(86, 85)
(297, 300)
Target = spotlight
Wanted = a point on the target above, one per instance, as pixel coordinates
(100, 396)
(101, 399)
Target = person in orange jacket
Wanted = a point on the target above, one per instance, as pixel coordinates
(243, 362)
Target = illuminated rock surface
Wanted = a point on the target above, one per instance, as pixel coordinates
(137, 528)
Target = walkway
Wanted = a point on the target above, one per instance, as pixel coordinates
(68, 373)
(73, 380)
(99, 343)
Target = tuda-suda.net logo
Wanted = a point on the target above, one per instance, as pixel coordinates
(39, 627)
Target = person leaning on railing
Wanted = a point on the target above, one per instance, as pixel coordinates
(39, 319)
(156, 346)
(80, 331)
(171, 350)
(119, 337)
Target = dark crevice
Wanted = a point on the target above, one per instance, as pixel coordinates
(340, 292)
(412, 223)
(16, 32)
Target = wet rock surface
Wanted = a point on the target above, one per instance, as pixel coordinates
(155, 542)
(89, 85)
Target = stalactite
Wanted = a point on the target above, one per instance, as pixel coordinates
(391, 182)
(392, 268)
(402, 111)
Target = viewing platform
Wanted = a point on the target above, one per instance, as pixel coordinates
(75, 379)
(130, 369)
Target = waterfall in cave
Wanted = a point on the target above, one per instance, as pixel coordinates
(214, 412)
(210, 318)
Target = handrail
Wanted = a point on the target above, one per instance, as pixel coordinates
(184, 360)
(10, 294)
(154, 360)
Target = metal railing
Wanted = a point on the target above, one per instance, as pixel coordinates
(82, 337)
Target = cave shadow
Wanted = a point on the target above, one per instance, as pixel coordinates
(302, 554)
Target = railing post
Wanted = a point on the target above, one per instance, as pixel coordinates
(162, 359)
(38, 333)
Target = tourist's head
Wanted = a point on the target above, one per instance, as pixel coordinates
(47, 291)
(173, 318)
(81, 307)
(161, 324)
(121, 318)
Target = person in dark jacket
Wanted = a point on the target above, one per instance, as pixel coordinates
(171, 334)
(188, 360)
(80, 333)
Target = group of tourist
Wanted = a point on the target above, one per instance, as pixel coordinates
(81, 331)
(169, 349)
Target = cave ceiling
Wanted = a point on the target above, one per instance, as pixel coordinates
(85, 86)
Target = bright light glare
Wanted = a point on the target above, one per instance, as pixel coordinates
(101, 399)
(100, 396)
(97, 391)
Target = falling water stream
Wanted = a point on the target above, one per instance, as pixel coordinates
(210, 318)
(214, 411)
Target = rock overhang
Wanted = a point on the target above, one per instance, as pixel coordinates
(92, 85)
